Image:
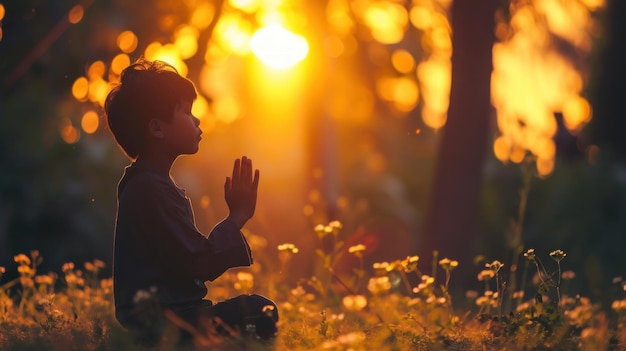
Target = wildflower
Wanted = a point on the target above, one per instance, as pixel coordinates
(495, 266)
(351, 338)
(354, 302)
(518, 294)
(69, 266)
(26, 271)
(106, 283)
(335, 225)
(2, 270)
(410, 263)
(448, 264)
(486, 274)
(44, 279)
(267, 309)
(530, 254)
(617, 280)
(619, 305)
(357, 249)
(377, 285)
(90, 267)
(321, 231)
(395, 265)
(245, 281)
(558, 255)
(287, 247)
(22, 259)
(141, 295)
(27, 282)
(568, 275)
(428, 280)
(298, 291)
(380, 268)
(99, 263)
(337, 317)
(522, 307)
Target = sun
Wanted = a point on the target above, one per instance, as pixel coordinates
(277, 47)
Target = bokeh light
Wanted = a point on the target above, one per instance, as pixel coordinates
(68, 132)
(532, 81)
(127, 41)
(277, 47)
(90, 122)
(76, 14)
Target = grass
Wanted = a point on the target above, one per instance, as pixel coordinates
(392, 306)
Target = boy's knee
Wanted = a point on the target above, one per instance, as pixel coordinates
(250, 313)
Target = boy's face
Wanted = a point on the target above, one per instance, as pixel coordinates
(182, 133)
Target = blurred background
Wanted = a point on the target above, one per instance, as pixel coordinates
(468, 127)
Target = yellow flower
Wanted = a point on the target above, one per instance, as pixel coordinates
(22, 259)
(68, 266)
(486, 274)
(410, 263)
(245, 281)
(448, 264)
(27, 282)
(106, 283)
(495, 266)
(530, 254)
(335, 225)
(44, 279)
(357, 249)
(558, 255)
(90, 267)
(377, 285)
(2, 270)
(26, 271)
(288, 247)
(354, 302)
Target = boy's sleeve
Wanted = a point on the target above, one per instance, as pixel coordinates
(229, 249)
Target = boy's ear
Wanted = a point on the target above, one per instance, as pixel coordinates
(154, 128)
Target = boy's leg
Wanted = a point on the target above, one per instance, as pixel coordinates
(249, 311)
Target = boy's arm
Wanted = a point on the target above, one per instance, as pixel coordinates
(229, 246)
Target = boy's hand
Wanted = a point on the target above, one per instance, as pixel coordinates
(240, 191)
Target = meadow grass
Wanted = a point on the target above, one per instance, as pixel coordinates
(390, 306)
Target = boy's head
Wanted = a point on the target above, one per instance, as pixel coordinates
(147, 90)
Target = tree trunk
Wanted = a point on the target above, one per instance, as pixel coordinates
(452, 224)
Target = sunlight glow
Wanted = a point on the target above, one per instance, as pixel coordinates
(186, 41)
(387, 21)
(532, 80)
(277, 47)
(202, 15)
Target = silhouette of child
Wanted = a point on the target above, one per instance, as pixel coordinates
(158, 251)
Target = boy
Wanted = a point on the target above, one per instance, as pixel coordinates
(157, 246)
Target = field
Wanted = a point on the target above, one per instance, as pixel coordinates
(389, 306)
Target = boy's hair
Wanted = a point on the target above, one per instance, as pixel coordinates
(147, 90)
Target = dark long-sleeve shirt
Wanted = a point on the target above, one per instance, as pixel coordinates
(157, 244)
